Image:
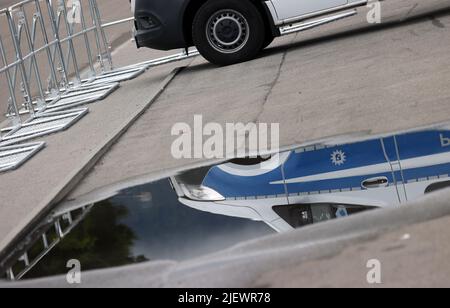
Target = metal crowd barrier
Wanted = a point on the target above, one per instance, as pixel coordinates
(42, 35)
(43, 240)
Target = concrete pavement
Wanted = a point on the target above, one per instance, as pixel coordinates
(27, 193)
(346, 79)
(343, 79)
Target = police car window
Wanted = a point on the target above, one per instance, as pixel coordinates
(250, 161)
(300, 215)
(297, 216)
(322, 212)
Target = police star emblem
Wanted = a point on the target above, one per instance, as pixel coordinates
(338, 158)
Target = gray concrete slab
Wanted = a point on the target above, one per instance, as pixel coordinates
(343, 79)
(28, 192)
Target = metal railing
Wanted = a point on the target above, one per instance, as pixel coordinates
(55, 58)
(43, 240)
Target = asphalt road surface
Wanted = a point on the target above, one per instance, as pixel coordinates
(346, 80)
(333, 83)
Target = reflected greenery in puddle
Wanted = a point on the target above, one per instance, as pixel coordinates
(145, 223)
(96, 243)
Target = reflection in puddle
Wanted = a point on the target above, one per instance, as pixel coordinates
(322, 182)
(208, 209)
(141, 224)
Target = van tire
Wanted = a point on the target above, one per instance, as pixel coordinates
(226, 32)
(269, 40)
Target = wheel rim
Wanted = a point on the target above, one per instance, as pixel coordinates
(227, 31)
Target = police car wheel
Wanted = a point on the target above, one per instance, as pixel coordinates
(228, 31)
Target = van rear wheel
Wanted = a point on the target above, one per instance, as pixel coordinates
(228, 31)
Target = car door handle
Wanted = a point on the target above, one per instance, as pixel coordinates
(375, 183)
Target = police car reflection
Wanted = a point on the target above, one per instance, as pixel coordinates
(318, 183)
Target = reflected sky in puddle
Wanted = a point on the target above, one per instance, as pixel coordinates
(145, 223)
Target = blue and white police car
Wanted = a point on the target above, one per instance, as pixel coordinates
(318, 183)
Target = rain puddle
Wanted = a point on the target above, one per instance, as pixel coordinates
(209, 209)
(142, 224)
